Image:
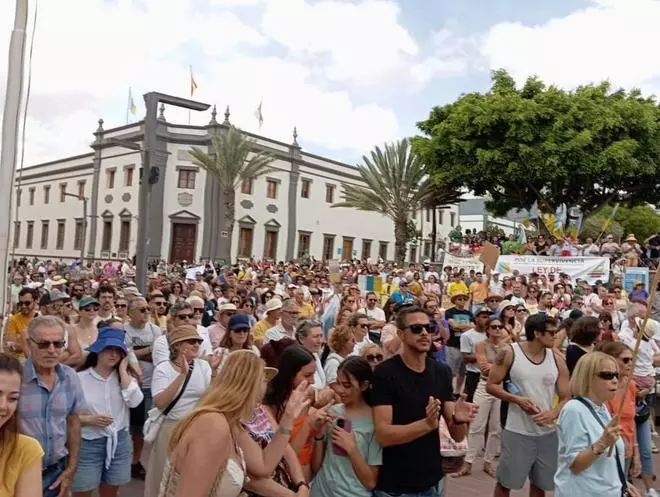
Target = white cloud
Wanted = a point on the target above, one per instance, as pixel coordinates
(611, 39)
(87, 54)
(359, 42)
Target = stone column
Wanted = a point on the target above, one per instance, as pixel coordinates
(292, 211)
(92, 222)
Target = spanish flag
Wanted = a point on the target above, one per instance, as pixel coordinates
(193, 83)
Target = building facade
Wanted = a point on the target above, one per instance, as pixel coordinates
(282, 215)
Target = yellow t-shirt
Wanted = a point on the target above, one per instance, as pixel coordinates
(306, 310)
(479, 292)
(260, 329)
(17, 325)
(14, 462)
(456, 287)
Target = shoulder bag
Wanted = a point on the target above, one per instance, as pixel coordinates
(619, 469)
(156, 416)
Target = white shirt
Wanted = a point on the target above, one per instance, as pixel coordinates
(377, 314)
(200, 379)
(276, 333)
(105, 396)
(469, 341)
(319, 374)
(160, 351)
(363, 343)
(647, 351)
(332, 363)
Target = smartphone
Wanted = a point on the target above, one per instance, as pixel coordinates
(344, 424)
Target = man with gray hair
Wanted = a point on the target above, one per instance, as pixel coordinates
(141, 334)
(50, 402)
(286, 328)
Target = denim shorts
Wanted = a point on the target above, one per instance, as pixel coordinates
(92, 473)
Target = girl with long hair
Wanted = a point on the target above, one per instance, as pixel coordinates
(347, 456)
(296, 367)
(110, 392)
(20, 455)
(210, 452)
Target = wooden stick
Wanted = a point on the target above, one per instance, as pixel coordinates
(640, 334)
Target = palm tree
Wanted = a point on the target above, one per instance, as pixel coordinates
(396, 186)
(439, 196)
(233, 160)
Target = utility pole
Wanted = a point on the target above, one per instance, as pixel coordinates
(84, 200)
(10, 127)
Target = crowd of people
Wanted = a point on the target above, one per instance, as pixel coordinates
(293, 380)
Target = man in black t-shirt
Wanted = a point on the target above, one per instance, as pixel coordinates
(410, 393)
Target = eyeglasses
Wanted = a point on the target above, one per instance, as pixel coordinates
(608, 375)
(374, 357)
(184, 317)
(419, 328)
(43, 345)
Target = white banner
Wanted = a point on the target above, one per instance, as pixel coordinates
(585, 268)
(466, 263)
(191, 272)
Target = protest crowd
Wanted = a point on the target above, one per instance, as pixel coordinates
(336, 378)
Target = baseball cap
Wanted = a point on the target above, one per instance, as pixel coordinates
(239, 322)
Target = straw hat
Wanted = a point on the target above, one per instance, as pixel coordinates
(273, 305)
(454, 297)
(183, 333)
(504, 304)
(652, 328)
(630, 238)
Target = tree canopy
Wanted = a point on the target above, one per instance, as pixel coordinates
(538, 144)
(641, 220)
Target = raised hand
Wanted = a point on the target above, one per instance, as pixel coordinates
(465, 411)
(433, 412)
(298, 401)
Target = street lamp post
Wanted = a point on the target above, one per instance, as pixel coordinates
(84, 200)
(151, 171)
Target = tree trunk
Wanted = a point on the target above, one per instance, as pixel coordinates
(434, 234)
(400, 241)
(228, 222)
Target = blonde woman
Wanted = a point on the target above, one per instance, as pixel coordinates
(210, 453)
(586, 431)
(341, 343)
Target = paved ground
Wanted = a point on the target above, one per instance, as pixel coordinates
(478, 484)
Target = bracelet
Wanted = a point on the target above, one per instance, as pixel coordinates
(284, 431)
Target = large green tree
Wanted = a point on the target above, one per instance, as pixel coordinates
(397, 185)
(641, 220)
(546, 146)
(233, 159)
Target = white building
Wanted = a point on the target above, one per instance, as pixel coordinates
(474, 216)
(281, 216)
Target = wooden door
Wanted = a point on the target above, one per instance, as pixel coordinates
(184, 237)
(347, 249)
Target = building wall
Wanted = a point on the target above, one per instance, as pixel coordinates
(117, 201)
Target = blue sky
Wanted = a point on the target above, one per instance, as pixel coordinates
(350, 74)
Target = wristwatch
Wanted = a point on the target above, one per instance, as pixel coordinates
(296, 486)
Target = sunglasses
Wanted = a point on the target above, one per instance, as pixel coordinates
(121, 306)
(419, 328)
(160, 304)
(496, 327)
(374, 357)
(25, 302)
(43, 345)
(241, 330)
(142, 310)
(521, 310)
(91, 308)
(608, 375)
(626, 360)
(197, 310)
(184, 317)
(193, 341)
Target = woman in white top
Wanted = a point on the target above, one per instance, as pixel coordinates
(110, 391)
(341, 342)
(168, 380)
(86, 329)
(210, 452)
